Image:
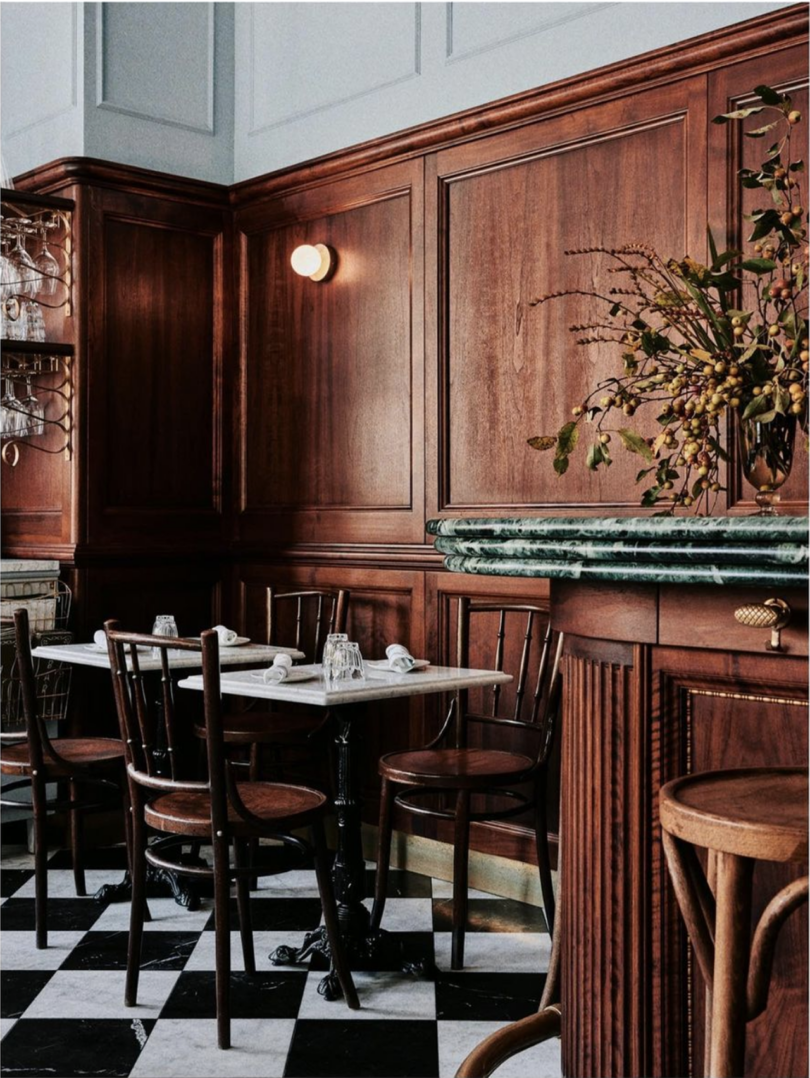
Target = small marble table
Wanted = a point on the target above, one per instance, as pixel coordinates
(367, 949)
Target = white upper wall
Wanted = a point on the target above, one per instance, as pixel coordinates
(229, 91)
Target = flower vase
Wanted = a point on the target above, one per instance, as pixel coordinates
(766, 457)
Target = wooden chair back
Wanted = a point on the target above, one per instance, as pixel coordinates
(537, 685)
(140, 724)
(317, 613)
(39, 744)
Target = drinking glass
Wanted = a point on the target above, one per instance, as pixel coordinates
(12, 421)
(165, 625)
(34, 322)
(346, 664)
(48, 269)
(27, 276)
(35, 410)
(329, 649)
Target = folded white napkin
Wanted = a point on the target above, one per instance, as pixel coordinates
(100, 638)
(399, 658)
(226, 636)
(282, 664)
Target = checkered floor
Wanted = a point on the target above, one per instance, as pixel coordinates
(63, 1012)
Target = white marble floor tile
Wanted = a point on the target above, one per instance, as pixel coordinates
(497, 952)
(79, 993)
(203, 957)
(20, 952)
(382, 995)
(178, 1048)
(61, 885)
(167, 916)
(16, 857)
(457, 1040)
(298, 883)
(6, 1024)
(407, 914)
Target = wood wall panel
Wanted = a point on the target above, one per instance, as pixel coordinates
(157, 378)
(332, 371)
(507, 370)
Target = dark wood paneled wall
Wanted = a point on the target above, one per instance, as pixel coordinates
(238, 425)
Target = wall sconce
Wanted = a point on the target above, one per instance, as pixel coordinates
(316, 262)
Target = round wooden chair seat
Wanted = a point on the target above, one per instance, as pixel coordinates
(750, 812)
(263, 727)
(460, 768)
(282, 807)
(78, 751)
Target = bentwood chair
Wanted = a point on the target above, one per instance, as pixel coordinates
(449, 767)
(740, 816)
(315, 613)
(221, 809)
(91, 767)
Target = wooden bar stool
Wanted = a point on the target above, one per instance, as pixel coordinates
(740, 817)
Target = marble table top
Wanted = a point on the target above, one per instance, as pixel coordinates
(381, 686)
(722, 551)
(90, 655)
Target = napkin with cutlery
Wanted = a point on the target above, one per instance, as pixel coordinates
(399, 658)
(100, 638)
(227, 636)
(280, 670)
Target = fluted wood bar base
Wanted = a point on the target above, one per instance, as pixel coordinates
(660, 680)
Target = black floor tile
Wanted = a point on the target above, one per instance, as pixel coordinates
(487, 997)
(491, 915)
(12, 879)
(69, 1048)
(112, 857)
(336, 1048)
(401, 884)
(19, 988)
(63, 914)
(277, 914)
(258, 995)
(108, 950)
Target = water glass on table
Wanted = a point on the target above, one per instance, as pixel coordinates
(329, 649)
(165, 625)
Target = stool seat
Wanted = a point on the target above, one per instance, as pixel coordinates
(751, 812)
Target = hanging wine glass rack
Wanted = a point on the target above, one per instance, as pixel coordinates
(35, 280)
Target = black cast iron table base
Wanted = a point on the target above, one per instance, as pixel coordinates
(366, 949)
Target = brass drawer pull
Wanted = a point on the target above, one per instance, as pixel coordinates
(773, 614)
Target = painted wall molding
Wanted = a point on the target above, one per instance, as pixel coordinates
(74, 83)
(155, 116)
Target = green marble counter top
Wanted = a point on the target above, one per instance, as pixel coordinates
(721, 551)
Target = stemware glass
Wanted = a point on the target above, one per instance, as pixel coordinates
(12, 421)
(27, 283)
(48, 269)
(35, 410)
(8, 274)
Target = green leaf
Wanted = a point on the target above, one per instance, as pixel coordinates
(614, 310)
(727, 256)
(561, 465)
(567, 439)
(712, 245)
(543, 441)
(756, 406)
(769, 96)
(781, 401)
(760, 132)
(722, 454)
(595, 456)
(635, 443)
(797, 166)
(738, 114)
(643, 473)
(759, 265)
(650, 497)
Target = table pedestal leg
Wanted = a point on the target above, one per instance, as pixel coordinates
(366, 949)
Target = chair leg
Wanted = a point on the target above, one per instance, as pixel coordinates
(77, 842)
(384, 833)
(543, 855)
(138, 907)
(240, 860)
(461, 861)
(222, 942)
(340, 961)
(732, 942)
(40, 862)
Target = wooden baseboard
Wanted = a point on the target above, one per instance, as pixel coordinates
(488, 872)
